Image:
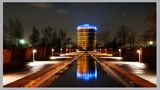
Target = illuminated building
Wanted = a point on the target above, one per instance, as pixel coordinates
(86, 37)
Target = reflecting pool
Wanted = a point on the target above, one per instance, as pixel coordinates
(86, 68)
(85, 72)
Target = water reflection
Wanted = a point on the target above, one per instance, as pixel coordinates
(86, 68)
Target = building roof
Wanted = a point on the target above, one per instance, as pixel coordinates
(87, 26)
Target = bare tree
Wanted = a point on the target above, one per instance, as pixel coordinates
(122, 35)
(132, 38)
(103, 37)
(145, 37)
(151, 19)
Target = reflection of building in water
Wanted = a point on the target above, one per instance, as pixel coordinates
(86, 68)
(86, 37)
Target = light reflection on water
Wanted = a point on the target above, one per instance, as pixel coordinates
(86, 68)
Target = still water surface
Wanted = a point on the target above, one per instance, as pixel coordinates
(85, 72)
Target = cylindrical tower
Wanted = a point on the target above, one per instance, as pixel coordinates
(86, 37)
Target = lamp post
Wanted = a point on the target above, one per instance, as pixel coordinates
(77, 50)
(150, 43)
(66, 50)
(139, 51)
(61, 50)
(52, 51)
(34, 51)
(22, 41)
(119, 52)
(106, 50)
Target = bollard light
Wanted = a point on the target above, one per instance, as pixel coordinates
(34, 51)
(138, 51)
(66, 50)
(77, 50)
(119, 52)
(52, 51)
(106, 50)
(61, 50)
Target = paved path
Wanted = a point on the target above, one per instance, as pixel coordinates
(139, 69)
(30, 68)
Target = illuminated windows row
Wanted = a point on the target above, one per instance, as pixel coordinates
(86, 33)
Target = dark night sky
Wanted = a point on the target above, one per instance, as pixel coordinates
(68, 16)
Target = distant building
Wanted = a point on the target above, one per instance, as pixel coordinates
(86, 37)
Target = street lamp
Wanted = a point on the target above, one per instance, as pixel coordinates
(150, 42)
(138, 51)
(77, 50)
(61, 50)
(66, 50)
(34, 51)
(52, 51)
(106, 50)
(119, 52)
(22, 41)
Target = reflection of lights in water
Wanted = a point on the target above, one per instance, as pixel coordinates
(118, 58)
(86, 68)
(87, 76)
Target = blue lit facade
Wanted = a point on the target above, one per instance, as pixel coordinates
(86, 37)
(86, 26)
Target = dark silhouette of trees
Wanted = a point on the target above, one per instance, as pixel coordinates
(34, 37)
(122, 35)
(144, 38)
(5, 36)
(151, 19)
(113, 44)
(68, 42)
(46, 37)
(103, 37)
(13, 32)
(132, 38)
(54, 39)
(61, 37)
